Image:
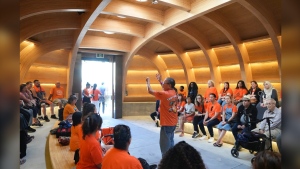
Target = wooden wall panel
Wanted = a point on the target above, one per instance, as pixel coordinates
(202, 75)
(177, 75)
(198, 59)
(139, 77)
(172, 61)
(265, 71)
(260, 51)
(226, 55)
(141, 89)
(57, 57)
(141, 63)
(231, 73)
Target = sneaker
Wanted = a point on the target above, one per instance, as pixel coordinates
(53, 116)
(204, 137)
(30, 130)
(157, 125)
(41, 118)
(211, 140)
(37, 124)
(46, 118)
(22, 161)
(195, 135)
(29, 139)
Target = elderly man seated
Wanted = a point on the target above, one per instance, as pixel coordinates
(275, 117)
(57, 93)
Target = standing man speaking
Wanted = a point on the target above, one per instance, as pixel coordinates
(168, 113)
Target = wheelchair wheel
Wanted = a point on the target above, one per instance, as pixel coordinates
(252, 159)
(234, 153)
(251, 151)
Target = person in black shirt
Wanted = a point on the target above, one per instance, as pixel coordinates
(247, 109)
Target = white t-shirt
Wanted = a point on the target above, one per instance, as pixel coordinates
(189, 108)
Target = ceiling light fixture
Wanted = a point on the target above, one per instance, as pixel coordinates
(121, 16)
(108, 32)
(154, 1)
(141, 0)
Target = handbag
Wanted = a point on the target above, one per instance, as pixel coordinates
(64, 129)
(64, 141)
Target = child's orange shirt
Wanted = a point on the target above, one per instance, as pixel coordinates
(76, 135)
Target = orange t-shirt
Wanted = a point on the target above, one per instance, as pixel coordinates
(239, 93)
(120, 159)
(69, 109)
(57, 93)
(76, 135)
(228, 91)
(200, 109)
(212, 108)
(90, 153)
(180, 106)
(183, 93)
(96, 94)
(209, 91)
(168, 107)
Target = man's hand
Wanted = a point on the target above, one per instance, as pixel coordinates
(158, 77)
(147, 80)
(205, 123)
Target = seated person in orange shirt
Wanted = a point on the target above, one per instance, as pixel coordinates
(212, 117)
(90, 154)
(76, 131)
(57, 94)
(239, 93)
(118, 156)
(39, 92)
(70, 107)
(181, 91)
(211, 89)
(188, 114)
(226, 91)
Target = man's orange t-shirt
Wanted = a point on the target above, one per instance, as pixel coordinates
(90, 153)
(57, 93)
(225, 93)
(212, 108)
(76, 135)
(96, 94)
(239, 93)
(120, 159)
(69, 109)
(168, 107)
(209, 91)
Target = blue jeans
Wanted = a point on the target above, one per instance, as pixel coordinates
(166, 140)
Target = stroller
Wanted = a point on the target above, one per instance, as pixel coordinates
(107, 139)
(251, 141)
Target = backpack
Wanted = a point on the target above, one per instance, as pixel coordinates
(64, 129)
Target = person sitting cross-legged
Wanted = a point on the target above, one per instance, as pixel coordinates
(212, 117)
(118, 156)
(274, 114)
(228, 119)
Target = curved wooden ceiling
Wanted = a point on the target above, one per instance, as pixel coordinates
(171, 26)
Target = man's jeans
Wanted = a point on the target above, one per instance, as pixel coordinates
(166, 140)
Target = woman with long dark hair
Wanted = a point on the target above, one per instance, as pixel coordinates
(86, 94)
(76, 131)
(239, 93)
(193, 91)
(254, 93)
(200, 108)
(224, 92)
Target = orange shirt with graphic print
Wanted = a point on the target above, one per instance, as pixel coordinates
(212, 108)
(96, 94)
(76, 135)
(209, 91)
(90, 153)
(239, 93)
(222, 93)
(57, 93)
(168, 107)
(120, 159)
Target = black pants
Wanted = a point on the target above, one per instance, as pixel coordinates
(86, 100)
(23, 143)
(196, 120)
(152, 115)
(209, 126)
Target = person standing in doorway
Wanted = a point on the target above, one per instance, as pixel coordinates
(168, 111)
(95, 93)
(86, 94)
(102, 97)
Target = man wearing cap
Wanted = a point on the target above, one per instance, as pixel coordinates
(246, 112)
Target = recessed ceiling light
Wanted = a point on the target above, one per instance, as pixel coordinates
(108, 32)
(141, 0)
(121, 16)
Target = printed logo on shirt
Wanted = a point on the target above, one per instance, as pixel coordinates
(59, 92)
(173, 104)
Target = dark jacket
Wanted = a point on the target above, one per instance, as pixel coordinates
(251, 111)
(256, 94)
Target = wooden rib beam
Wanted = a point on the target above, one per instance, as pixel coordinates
(229, 31)
(86, 21)
(43, 23)
(32, 52)
(30, 8)
(183, 58)
(131, 10)
(179, 4)
(200, 39)
(97, 42)
(103, 24)
(268, 21)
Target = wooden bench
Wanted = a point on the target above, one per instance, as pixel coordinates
(60, 156)
(228, 138)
